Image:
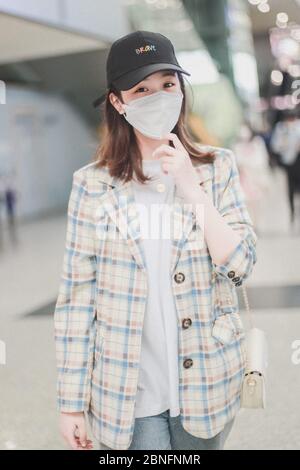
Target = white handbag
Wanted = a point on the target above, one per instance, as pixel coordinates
(253, 393)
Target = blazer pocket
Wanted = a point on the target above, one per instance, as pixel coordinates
(228, 327)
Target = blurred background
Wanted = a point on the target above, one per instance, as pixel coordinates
(243, 93)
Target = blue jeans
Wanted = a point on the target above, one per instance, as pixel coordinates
(163, 432)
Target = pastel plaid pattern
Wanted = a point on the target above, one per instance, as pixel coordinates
(102, 297)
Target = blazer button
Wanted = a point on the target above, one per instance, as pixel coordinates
(231, 274)
(238, 283)
(186, 323)
(160, 187)
(236, 279)
(187, 363)
(179, 278)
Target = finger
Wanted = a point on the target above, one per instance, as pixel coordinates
(167, 169)
(87, 447)
(167, 164)
(166, 159)
(89, 444)
(88, 441)
(163, 154)
(163, 150)
(177, 143)
(71, 439)
(82, 433)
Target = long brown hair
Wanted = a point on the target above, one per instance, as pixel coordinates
(119, 149)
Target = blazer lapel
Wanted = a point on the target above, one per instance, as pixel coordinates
(119, 203)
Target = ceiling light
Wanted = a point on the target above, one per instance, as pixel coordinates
(294, 70)
(276, 77)
(295, 33)
(282, 17)
(264, 7)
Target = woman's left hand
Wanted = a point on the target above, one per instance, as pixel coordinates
(177, 162)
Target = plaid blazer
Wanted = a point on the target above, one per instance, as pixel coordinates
(102, 297)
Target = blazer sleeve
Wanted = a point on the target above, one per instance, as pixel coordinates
(74, 316)
(232, 207)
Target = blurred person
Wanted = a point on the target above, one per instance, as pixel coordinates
(10, 198)
(134, 315)
(253, 163)
(2, 201)
(8, 201)
(265, 133)
(285, 141)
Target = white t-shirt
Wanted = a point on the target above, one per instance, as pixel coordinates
(158, 386)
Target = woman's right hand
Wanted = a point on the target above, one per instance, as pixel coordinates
(73, 430)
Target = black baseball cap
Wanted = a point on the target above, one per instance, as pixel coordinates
(135, 56)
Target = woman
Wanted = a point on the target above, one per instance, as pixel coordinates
(149, 341)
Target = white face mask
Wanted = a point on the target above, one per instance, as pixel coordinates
(154, 115)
